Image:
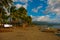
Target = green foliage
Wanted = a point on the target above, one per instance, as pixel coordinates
(16, 15)
(5, 2)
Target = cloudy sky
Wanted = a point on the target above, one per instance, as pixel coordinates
(41, 10)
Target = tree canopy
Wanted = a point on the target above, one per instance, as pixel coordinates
(16, 15)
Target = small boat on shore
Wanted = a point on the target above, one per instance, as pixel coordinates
(7, 25)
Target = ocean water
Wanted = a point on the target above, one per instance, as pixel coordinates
(53, 26)
(56, 26)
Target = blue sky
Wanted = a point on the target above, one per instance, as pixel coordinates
(35, 7)
(41, 10)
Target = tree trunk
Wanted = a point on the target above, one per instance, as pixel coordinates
(24, 25)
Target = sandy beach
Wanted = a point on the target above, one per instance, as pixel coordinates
(28, 33)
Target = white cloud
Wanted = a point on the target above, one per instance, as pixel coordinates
(24, 1)
(20, 5)
(31, 15)
(54, 7)
(40, 18)
(25, 6)
(36, 9)
(15, 0)
(43, 18)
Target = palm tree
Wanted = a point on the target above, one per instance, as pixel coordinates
(6, 4)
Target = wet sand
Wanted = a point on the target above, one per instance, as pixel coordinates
(28, 33)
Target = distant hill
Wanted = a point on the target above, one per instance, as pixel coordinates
(44, 23)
